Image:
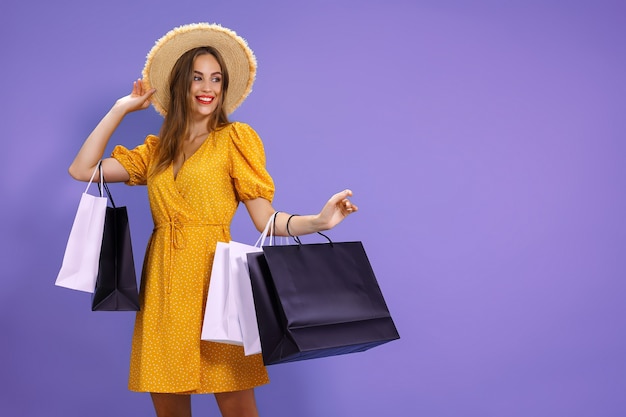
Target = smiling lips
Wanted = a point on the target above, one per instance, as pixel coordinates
(205, 99)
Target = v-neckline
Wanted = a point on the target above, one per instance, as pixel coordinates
(176, 174)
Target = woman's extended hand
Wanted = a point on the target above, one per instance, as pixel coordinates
(336, 209)
(138, 99)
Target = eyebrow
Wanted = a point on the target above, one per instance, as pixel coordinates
(200, 73)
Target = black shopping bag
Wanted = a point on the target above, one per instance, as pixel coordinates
(116, 285)
(317, 300)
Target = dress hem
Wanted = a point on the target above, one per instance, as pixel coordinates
(199, 391)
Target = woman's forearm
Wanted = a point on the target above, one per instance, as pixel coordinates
(334, 211)
(93, 149)
(94, 146)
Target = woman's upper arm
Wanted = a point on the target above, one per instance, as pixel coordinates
(114, 171)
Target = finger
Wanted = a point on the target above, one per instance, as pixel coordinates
(347, 206)
(142, 86)
(337, 198)
(149, 93)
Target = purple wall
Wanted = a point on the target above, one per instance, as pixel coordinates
(485, 144)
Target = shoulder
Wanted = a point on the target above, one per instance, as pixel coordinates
(151, 141)
(147, 148)
(240, 134)
(243, 143)
(240, 129)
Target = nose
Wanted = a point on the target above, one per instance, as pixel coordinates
(206, 86)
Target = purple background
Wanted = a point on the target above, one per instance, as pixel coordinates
(484, 142)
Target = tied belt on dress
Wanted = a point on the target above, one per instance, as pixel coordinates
(176, 228)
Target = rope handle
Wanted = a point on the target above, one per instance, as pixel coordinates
(102, 185)
(297, 238)
(270, 229)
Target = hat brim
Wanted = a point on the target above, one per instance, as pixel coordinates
(238, 58)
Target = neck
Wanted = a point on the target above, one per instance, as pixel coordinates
(195, 136)
(198, 130)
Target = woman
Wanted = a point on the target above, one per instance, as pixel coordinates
(197, 171)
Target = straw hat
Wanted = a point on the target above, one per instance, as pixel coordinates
(238, 58)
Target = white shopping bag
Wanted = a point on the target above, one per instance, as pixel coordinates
(229, 316)
(221, 318)
(79, 269)
(242, 288)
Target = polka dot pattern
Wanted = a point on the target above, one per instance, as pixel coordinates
(191, 213)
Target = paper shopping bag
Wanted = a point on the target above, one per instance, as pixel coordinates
(221, 320)
(229, 315)
(116, 285)
(79, 269)
(317, 300)
(242, 289)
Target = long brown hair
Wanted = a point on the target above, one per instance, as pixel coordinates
(177, 122)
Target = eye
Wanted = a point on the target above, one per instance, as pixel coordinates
(216, 79)
(197, 78)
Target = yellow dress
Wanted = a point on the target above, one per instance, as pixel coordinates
(191, 213)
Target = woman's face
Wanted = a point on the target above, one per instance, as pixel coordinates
(206, 86)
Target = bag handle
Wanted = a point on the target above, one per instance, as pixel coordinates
(297, 238)
(101, 183)
(270, 229)
(104, 186)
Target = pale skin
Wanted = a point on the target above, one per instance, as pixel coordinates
(206, 91)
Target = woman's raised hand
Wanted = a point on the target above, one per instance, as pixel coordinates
(138, 99)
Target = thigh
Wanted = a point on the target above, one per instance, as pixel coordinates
(171, 405)
(237, 403)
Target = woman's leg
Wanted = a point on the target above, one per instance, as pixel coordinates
(172, 405)
(237, 403)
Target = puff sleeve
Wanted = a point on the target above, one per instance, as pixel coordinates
(247, 164)
(136, 161)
